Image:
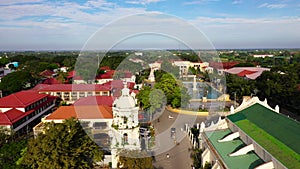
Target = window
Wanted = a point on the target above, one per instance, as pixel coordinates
(125, 138)
(85, 124)
(100, 125)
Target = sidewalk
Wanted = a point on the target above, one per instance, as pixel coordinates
(187, 112)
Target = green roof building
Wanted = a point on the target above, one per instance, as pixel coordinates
(253, 136)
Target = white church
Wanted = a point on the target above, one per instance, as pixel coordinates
(125, 125)
(117, 127)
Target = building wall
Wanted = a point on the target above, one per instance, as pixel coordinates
(71, 96)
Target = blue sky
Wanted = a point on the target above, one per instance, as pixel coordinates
(68, 25)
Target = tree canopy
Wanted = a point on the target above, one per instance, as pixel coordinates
(16, 81)
(167, 90)
(176, 94)
(134, 160)
(11, 150)
(63, 145)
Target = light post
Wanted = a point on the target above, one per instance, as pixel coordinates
(234, 99)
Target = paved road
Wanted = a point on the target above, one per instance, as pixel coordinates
(179, 157)
(179, 154)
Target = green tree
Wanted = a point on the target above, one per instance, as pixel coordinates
(11, 149)
(62, 76)
(207, 165)
(176, 94)
(134, 160)
(143, 97)
(156, 99)
(5, 135)
(197, 158)
(3, 61)
(11, 154)
(16, 81)
(167, 84)
(63, 145)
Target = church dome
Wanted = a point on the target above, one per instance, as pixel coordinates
(125, 100)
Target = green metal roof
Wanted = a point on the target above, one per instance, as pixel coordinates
(278, 134)
(247, 161)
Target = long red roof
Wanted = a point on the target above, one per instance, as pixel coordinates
(74, 87)
(14, 115)
(95, 100)
(21, 99)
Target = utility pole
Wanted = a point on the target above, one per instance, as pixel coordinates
(234, 99)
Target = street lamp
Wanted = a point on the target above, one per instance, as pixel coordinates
(234, 99)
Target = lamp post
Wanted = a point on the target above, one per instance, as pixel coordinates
(234, 99)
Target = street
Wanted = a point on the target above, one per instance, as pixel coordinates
(173, 153)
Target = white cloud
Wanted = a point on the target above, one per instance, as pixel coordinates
(99, 4)
(237, 2)
(272, 6)
(66, 23)
(193, 2)
(142, 2)
(11, 2)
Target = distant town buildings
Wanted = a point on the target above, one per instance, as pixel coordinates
(247, 72)
(220, 67)
(185, 65)
(262, 56)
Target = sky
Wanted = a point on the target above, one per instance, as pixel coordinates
(72, 24)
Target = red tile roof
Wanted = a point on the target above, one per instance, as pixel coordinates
(223, 65)
(81, 112)
(119, 84)
(51, 81)
(105, 68)
(11, 116)
(62, 113)
(135, 91)
(245, 72)
(127, 74)
(39, 87)
(94, 112)
(47, 73)
(74, 87)
(107, 75)
(95, 100)
(71, 74)
(21, 99)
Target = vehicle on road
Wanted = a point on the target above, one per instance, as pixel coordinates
(173, 132)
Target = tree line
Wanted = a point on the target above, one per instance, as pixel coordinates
(280, 86)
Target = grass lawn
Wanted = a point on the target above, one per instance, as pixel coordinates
(280, 151)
